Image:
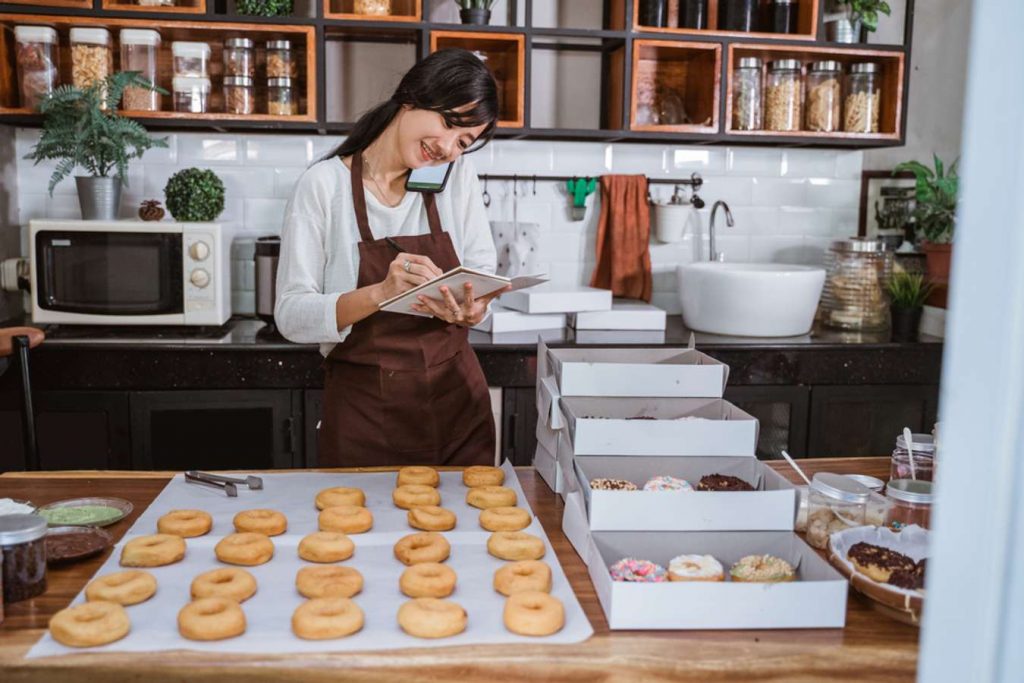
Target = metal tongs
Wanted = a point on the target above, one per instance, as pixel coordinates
(226, 484)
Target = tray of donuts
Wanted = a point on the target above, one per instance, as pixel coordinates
(382, 561)
(713, 580)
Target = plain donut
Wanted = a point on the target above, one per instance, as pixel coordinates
(505, 519)
(431, 518)
(227, 582)
(326, 546)
(415, 495)
(426, 546)
(428, 580)
(185, 523)
(129, 587)
(326, 618)
(417, 474)
(483, 475)
(267, 522)
(523, 576)
(534, 614)
(484, 497)
(328, 582)
(249, 549)
(515, 545)
(348, 519)
(153, 551)
(340, 495)
(431, 618)
(211, 619)
(90, 624)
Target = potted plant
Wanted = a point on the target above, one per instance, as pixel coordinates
(907, 294)
(194, 195)
(264, 8)
(935, 193)
(475, 11)
(856, 17)
(80, 131)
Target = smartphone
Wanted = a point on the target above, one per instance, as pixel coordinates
(428, 178)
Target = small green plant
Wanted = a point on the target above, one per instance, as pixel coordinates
(908, 291)
(80, 131)
(194, 195)
(936, 194)
(264, 8)
(867, 11)
(475, 4)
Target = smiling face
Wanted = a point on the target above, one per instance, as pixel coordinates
(426, 139)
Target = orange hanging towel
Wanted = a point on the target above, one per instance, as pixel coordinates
(623, 234)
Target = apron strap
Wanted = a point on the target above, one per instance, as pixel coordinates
(359, 197)
(432, 216)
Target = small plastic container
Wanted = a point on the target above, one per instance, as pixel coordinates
(281, 60)
(924, 459)
(239, 58)
(23, 544)
(139, 50)
(239, 95)
(747, 95)
(281, 99)
(862, 104)
(783, 95)
(92, 58)
(191, 59)
(835, 502)
(191, 94)
(36, 56)
(910, 502)
(823, 110)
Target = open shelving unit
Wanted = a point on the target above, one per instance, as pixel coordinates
(626, 61)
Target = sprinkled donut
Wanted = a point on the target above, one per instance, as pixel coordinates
(638, 571)
(666, 483)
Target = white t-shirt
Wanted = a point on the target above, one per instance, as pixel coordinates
(319, 242)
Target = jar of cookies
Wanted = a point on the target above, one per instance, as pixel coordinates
(23, 544)
(783, 95)
(854, 297)
(910, 502)
(92, 58)
(36, 53)
(862, 103)
(834, 502)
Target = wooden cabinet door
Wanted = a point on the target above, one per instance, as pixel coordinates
(865, 420)
(782, 412)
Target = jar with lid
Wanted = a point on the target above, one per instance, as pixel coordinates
(139, 49)
(191, 94)
(783, 95)
(857, 275)
(281, 100)
(737, 15)
(280, 59)
(693, 14)
(862, 103)
(191, 59)
(36, 54)
(781, 16)
(239, 96)
(910, 502)
(239, 58)
(380, 8)
(835, 502)
(747, 112)
(924, 458)
(824, 96)
(23, 544)
(92, 58)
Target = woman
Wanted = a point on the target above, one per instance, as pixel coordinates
(399, 389)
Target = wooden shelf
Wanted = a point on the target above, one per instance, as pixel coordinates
(807, 24)
(401, 10)
(74, 4)
(690, 72)
(179, 7)
(506, 58)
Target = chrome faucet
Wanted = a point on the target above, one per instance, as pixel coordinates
(713, 255)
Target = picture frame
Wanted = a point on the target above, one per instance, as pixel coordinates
(871, 184)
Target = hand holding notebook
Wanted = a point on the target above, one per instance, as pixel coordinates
(455, 280)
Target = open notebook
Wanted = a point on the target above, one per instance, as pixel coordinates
(455, 279)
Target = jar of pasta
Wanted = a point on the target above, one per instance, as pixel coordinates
(239, 96)
(783, 91)
(747, 113)
(281, 100)
(139, 48)
(36, 56)
(239, 59)
(92, 58)
(862, 103)
(824, 96)
(281, 59)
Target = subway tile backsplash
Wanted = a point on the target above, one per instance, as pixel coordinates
(787, 204)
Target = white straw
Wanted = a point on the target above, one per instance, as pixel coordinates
(909, 438)
(792, 463)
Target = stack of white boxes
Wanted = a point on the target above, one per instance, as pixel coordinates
(588, 401)
(544, 307)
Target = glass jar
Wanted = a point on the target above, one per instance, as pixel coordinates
(653, 13)
(281, 100)
(36, 55)
(910, 502)
(380, 8)
(835, 502)
(737, 15)
(92, 58)
(783, 95)
(857, 274)
(924, 459)
(239, 96)
(239, 59)
(281, 60)
(862, 104)
(747, 111)
(693, 14)
(191, 94)
(781, 16)
(23, 544)
(139, 49)
(191, 59)
(824, 96)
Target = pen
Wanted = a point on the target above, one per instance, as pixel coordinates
(394, 245)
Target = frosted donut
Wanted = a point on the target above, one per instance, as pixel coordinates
(348, 519)
(431, 518)
(427, 580)
(534, 614)
(637, 571)
(211, 619)
(340, 495)
(431, 618)
(227, 582)
(484, 497)
(328, 582)
(326, 618)
(483, 475)
(248, 549)
(425, 546)
(695, 568)
(762, 569)
(505, 519)
(424, 476)
(90, 624)
(667, 483)
(153, 551)
(326, 546)
(515, 545)
(267, 522)
(415, 495)
(523, 576)
(185, 523)
(125, 588)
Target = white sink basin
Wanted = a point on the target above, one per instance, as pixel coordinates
(749, 299)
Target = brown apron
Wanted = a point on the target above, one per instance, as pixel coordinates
(402, 389)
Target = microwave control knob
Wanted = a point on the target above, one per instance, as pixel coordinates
(199, 277)
(199, 251)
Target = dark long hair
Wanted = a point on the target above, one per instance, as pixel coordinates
(443, 82)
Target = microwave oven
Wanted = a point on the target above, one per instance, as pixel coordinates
(129, 273)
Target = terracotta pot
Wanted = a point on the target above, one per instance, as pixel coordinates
(938, 257)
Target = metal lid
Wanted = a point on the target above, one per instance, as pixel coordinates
(18, 529)
(92, 36)
(910, 491)
(873, 483)
(279, 82)
(783, 2)
(786, 65)
(865, 68)
(750, 63)
(35, 34)
(861, 246)
(840, 487)
(279, 44)
(243, 81)
(827, 65)
(139, 36)
(239, 42)
(923, 443)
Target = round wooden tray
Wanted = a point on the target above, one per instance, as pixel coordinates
(891, 602)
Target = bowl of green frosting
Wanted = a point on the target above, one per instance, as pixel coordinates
(85, 511)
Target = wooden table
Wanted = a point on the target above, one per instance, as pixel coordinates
(871, 647)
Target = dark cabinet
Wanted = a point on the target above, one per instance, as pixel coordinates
(782, 413)
(864, 420)
(312, 414)
(518, 425)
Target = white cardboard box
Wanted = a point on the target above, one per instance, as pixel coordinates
(626, 314)
(552, 298)
(620, 336)
(816, 599)
(546, 464)
(608, 426)
(502, 320)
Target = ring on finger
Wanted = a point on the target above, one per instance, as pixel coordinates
(408, 266)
